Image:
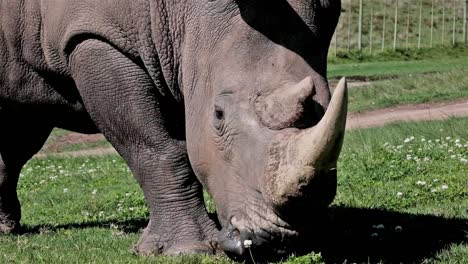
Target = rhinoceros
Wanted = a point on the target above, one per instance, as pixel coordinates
(227, 95)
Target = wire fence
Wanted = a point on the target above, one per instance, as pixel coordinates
(378, 25)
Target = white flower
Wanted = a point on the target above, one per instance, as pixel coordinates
(407, 140)
(398, 228)
(127, 194)
(433, 190)
(399, 193)
(453, 156)
(94, 192)
(378, 226)
(374, 235)
(247, 243)
(448, 138)
(421, 183)
(65, 190)
(444, 187)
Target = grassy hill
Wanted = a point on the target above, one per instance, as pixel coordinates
(408, 12)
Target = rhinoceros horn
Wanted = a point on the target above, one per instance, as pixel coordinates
(298, 156)
(285, 107)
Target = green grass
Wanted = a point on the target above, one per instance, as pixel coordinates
(435, 53)
(385, 69)
(83, 210)
(57, 132)
(411, 178)
(392, 159)
(411, 89)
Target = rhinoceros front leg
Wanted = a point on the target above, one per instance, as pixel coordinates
(123, 102)
(21, 136)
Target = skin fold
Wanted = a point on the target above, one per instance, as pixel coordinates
(192, 94)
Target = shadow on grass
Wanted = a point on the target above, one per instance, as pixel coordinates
(135, 225)
(354, 235)
(127, 226)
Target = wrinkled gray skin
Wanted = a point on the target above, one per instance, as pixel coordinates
(187, 92)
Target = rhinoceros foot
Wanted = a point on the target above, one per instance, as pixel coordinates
(177, 238)
(8, 226)
(9, 217)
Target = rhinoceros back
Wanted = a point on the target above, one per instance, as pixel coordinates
(36, 39)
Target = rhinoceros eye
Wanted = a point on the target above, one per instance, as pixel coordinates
(219, 113)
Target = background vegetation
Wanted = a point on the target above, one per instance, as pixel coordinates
(420, 24)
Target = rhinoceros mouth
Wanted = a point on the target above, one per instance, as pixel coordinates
(261, 227)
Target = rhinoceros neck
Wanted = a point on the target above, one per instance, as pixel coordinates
(166, 28)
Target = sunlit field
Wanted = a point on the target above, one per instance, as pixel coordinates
(402, 196)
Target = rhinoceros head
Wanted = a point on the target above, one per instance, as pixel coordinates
(262, 134)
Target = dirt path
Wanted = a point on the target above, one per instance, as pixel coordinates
(54, 145)
(80, 153)
(352, 83)
(417, 112)
(380, 117)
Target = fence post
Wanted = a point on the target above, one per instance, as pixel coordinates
(350, 14)
(336, 41)
(395, 28)
(384, 24)
(408, 26)
(432, 21)
(360, 26)
(371, 30)
(465, 25)
(443, 22)
(454, 22)
(420, 22)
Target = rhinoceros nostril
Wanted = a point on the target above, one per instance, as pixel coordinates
(230, 241)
